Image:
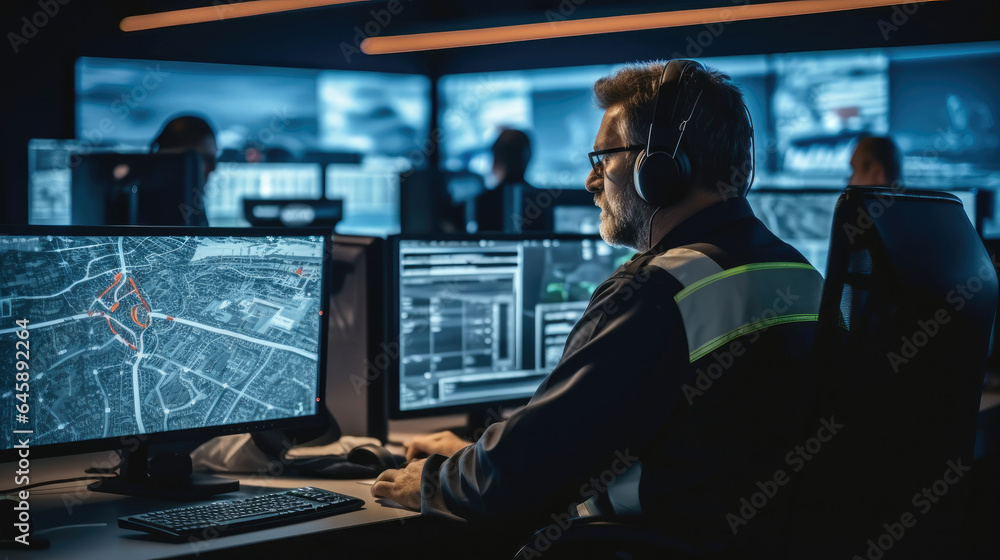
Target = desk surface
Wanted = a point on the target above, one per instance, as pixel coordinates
(81, 524)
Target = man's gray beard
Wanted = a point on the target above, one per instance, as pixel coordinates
(628, 226)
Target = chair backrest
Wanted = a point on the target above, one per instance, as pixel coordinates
(904, 328)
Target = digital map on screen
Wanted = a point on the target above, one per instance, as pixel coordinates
(131, 335)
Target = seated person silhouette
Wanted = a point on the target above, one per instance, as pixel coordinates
(876, 163)
(509, 203)
(190, 133)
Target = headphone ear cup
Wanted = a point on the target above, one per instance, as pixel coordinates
(682, 184)
(659, 179)
(637, 183)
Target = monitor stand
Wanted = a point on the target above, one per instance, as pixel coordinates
(134, 479)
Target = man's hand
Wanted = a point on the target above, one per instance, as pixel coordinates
(401, 485)
(445, 443)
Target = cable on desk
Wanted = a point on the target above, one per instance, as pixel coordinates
(49, 482)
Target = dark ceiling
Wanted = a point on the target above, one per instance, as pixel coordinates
(326, 37)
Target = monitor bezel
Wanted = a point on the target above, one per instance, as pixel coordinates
(134, 441)
(393, 349)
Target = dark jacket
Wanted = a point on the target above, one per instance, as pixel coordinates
(680, 394)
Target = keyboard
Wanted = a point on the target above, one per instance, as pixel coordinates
(202, 521)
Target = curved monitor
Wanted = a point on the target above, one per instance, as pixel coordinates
(120, 336)
(478, 321)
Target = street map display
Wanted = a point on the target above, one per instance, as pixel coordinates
(137, 334)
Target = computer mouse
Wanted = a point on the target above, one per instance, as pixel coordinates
(375, 456)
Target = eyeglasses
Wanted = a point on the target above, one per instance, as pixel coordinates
(597, 158)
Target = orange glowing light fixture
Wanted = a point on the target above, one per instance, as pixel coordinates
(221, 11)
(611, 24)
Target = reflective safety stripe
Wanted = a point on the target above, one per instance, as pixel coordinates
(747, 329)
(686, 265)
(745, 299)
(624, 491)
(587, 508)
(723, 274)
(718, 306)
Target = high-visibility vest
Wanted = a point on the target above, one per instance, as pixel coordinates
(718, 306)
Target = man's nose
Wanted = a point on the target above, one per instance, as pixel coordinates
(594, 183)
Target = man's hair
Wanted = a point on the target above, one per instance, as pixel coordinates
(184, 132)
(513, 148)
(717, 138)
(883, 150)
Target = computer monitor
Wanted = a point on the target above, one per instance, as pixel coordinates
(943, 112)
(355, 388)
(50, 166)
(574, 211)
(139, 189)
(555, 107)
(256, 110)
(371, 195)
(800, 217)
(820, 103)
(803, 217)
(232, 182)
(480, 320)
(126, 337)
(576, 219)
(293, 212)
(426, 203)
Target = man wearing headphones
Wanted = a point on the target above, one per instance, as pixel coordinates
(680, 394)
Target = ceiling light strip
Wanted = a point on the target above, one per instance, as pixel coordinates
(221, 11)
(611, 24)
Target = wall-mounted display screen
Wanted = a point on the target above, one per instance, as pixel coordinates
(556, 108)
(279, 114)
(295, 121)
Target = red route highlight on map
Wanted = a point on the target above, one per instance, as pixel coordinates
(133, 312)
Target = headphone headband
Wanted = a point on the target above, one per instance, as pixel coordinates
(680, 85)
(662, 175)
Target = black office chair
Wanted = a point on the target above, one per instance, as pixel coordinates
(602, 537)
(904, 329)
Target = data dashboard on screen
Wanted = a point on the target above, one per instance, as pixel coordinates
(125, 332)
(483, 319)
